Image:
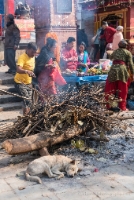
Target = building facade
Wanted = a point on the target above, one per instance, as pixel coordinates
(115, 12)
(57, 16)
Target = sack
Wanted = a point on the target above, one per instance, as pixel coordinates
(93, 39)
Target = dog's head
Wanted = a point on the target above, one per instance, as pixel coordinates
(72, 168)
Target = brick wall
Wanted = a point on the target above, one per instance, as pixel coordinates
(62, 19)
(62, 24)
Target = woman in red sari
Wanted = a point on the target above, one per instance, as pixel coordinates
(47, 71)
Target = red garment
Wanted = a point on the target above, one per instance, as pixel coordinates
(47, 79)
(69, 58)
(120, 62)
(57, 77)
(108, 34)
(46, 83)
(112, 87)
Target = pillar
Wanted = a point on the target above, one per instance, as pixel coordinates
(9, 6)
(51, 16)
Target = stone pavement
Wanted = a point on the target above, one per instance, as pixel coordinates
(111, 183)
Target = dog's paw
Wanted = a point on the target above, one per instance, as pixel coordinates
(52, 175)
(57, 178)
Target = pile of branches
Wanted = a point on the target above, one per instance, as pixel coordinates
(55, 114)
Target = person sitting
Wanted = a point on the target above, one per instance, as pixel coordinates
(118, 36)
(69, 58)
(21, 11)
(83, 58)
(23, 77)
(47, 71)
(118, 76)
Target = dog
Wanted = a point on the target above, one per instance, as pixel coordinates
(53, 166)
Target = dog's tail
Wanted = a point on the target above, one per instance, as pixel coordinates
(33, 178)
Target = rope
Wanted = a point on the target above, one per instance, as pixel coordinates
(10, 93)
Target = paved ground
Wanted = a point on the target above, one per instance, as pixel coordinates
(111, 183)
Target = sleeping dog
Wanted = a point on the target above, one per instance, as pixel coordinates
(53, 166)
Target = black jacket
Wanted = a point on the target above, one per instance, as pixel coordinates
(12, 36)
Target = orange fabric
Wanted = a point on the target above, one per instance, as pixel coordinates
(57, 50)
(130, 76)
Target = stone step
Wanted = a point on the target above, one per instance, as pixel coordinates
(10, 106)
(7, 116)
(9, 88)
(5, 78)
(9, 99)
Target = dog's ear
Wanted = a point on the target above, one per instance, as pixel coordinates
(73, 162)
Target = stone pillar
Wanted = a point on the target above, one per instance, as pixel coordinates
(9, 6)
(49, 17)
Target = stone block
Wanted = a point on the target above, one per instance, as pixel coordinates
(126, 181)
(8, 195)
(129, 196)
(82, 193)
(4, 186)
(18, 182)
(36, 192)
(108, 189)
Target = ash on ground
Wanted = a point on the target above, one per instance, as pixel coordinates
(119, 149)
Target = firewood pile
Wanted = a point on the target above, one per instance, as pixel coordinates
(58, 118)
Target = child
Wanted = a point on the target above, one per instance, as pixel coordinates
(83, 58)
